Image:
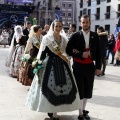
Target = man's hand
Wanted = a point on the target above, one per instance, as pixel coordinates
(86, 54)
(98, 72)
(75, 51)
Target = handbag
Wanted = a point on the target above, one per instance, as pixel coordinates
(117, 55)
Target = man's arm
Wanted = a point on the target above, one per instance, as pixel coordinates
(71, 49)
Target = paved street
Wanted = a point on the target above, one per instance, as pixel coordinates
(105, 104)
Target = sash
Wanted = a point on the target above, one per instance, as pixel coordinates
(56, 50)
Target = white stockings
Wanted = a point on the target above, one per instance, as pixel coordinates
(83, 103)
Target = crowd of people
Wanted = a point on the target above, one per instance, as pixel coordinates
(41, 59)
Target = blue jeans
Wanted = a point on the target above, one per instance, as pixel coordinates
(112, 53)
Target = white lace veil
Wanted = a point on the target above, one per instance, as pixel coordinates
(49, 36)
(17, 35)
(18, 32)
(50, 32)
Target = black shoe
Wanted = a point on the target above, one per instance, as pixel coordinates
(111, 63)
(99, 75)
(50, 115)
(55, 118)
(85, 114)
(80, 117)
(102, 74)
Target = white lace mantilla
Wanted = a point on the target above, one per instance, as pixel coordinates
(48, 41)
(33, 40)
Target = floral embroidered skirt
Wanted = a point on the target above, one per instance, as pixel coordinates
(23, 74)
(54, 89)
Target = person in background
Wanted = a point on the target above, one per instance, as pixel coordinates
(11, 33)
(46, 29)
(5, 36)
(117, 48)
(83, 46)
(111, 45)
(17, 57)
(27, 29)
(33, 44)
(103, 40)
(71, 30)
(22, 25)
(15, 40)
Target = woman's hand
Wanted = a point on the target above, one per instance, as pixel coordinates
(75, 51)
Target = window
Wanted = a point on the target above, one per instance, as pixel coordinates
(118, 13)
(63, 14)
(96, 26)
(80, 15)
(84, 11)
(98, 2)
(63, 5)
(89, 2)
(81, 3)
(69, 14)
(89, 12)
(107, 14)
(108, 1)
(97, 15)
(69, 5)
(107, 28)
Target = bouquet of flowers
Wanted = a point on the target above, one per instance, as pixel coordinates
(37, 64)
(26, 57)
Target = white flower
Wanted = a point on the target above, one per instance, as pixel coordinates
(34, 63)
(39, 61)
(27, 56)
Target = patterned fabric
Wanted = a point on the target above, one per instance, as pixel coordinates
(58, 85)
(23, 76)
(32, 41)
(16, 60)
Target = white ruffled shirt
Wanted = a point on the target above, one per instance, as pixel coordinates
(86, 37)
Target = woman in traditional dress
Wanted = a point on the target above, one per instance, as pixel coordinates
(53, 88)
(33, 44)
(4, 36)
(15, 40)
(17, 56)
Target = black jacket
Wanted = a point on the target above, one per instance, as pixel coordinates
(26, 32)
(111, 44)
(103, 43)
(77, 42)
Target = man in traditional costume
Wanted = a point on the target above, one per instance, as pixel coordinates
(83, 46)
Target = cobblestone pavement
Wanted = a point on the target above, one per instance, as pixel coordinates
(105, 104)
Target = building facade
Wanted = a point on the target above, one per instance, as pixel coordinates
(68, 13)
(102, 12)
(57, 8)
